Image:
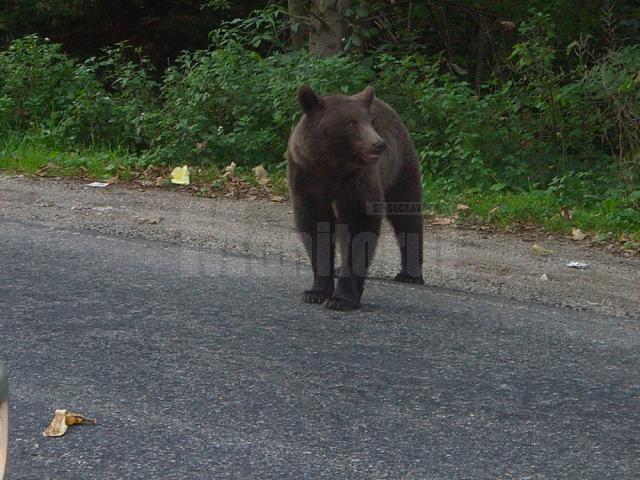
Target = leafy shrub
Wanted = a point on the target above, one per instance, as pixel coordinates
(98, 101)
(131, 79)
(37, 83)
(232, 104)
(464, 139)
(612, 97)
(573, 132)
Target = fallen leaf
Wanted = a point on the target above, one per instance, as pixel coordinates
(566, 213)
(462, 206)
(442, 221)
(150, 220)
(153, 171)
(494, 210)
(261, 174)
(43, 171)
(62, 419)
(577, 234)
(541, 251)
(229, 170)
(602, 237)
(276, 198)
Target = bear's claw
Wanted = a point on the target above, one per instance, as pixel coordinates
(315, 296)
(342, 304)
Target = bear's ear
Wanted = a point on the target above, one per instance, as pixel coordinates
(367, 96)
(309, 101)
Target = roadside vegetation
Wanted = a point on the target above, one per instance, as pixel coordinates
(545, 132)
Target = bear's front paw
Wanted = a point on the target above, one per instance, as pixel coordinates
(315, 296)
(342, 304)
(404, 277)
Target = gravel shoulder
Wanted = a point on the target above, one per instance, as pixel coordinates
(479, 262)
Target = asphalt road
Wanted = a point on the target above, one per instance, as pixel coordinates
(201, 365)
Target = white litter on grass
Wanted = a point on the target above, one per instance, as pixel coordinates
(180, 175)
(578, 265)
(97, 184)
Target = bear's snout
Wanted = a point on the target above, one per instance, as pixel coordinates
(378, 147)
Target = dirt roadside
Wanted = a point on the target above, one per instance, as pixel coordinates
(489, 263)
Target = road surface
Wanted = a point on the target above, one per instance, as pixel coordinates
(198, 364)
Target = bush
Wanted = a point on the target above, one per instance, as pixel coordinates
(43, 90)
(574, 132)
(612, 101)
(37, 84)
(232, 104)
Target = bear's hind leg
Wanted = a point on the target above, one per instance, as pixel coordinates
(405, 216)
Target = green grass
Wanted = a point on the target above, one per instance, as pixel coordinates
(19, 155)
(610, 219)
(29, 156)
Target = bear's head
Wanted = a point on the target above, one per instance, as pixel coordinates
(341, 127)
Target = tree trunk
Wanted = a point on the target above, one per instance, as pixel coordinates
(298, 19)
(481, 56)
(328, 26)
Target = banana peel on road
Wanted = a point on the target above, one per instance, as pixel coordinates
(62, 420)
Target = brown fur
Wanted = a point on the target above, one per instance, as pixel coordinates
(335, 173)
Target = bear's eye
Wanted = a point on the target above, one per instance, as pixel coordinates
(352, 123)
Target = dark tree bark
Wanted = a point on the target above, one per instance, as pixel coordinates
(299, 20)
(328, 26)
(481, 56)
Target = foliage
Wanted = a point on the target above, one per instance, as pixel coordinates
(266, 29)
(611, 90)
(38, 83)
(33, 155)
(232, 104)
(44, 90)
(555, 123)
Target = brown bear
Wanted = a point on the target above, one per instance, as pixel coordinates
(351, 161)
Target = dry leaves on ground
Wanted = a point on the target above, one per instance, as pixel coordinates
(541, 251)
(442, 221)
(578, 234)
(261, 174)
(230, 170)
